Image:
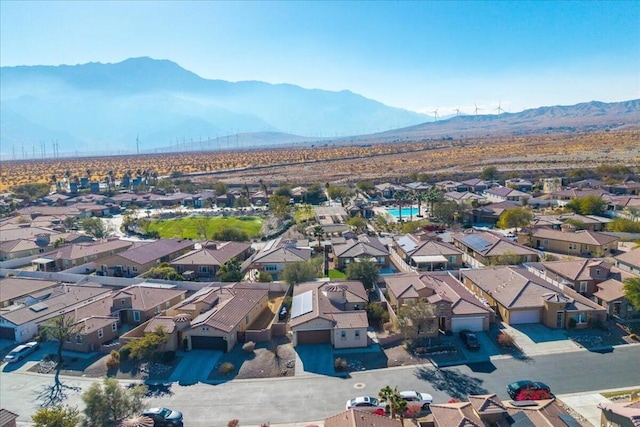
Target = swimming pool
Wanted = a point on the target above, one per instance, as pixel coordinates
(406, 212)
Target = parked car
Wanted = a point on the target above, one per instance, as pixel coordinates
(469, 339)
(515, 388)
(164, 417)
(414, 398)
(21, 351)
(366, 404)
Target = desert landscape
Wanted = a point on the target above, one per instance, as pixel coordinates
(349, 163)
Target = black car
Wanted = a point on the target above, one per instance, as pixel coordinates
(470, 339)
(164, 417)
(514, 389)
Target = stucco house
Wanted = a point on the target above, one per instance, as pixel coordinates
(611, 295)
(620, 414)
(518, 296)
(629, 261)
(140, 258)
(455, 307)
(506, 194)
(215, 316)
(571, 242)
(22, 323)
(426, 254)
(204, 262)
(330, 312)
(581, 275)
(136, 304)
(275, 255)
(80, 253)
(486, 248)
(361, 247)
(19, 290)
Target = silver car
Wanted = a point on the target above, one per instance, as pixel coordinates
(21, 351)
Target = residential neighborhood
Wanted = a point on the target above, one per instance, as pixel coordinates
(387, 286)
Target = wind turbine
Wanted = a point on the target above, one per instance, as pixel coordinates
(477, 109)
(435, 115)
(499, 109)
(457, 111)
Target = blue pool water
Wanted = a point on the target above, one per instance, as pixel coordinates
(406, 212)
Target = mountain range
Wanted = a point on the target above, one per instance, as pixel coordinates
(107, 108)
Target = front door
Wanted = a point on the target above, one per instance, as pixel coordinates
(560, 319)
(442, 324)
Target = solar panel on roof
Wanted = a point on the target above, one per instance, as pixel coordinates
(476, 242)
(302, 304)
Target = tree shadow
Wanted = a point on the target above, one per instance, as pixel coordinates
(522, 356)
(55, 393)
(451, 381)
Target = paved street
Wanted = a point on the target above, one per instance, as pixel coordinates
(298, 399)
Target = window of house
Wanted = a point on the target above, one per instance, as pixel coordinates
(100, 333)
(134, 269)
(597, 272)
(270, 267)
(79, 339)
(68, 338)
(205, 328)
(581, 318)
(343, 335)
(136, 316)
(583, 287)
(246, 319)
(158, 309)
(453, 259)
(573, 246)
(114, 327)
(545, 242)
(204, 269)
(357, 334)
(166, 304)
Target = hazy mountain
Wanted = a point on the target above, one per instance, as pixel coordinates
(110, 105)
(584, 117)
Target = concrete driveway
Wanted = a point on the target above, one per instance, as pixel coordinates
(535, 339)
(314, 359)
(195, 366)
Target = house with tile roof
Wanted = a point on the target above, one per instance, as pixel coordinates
(330, 312)
(505, 194)
(571, 241)
(620, 414)
(466, 197)
(275, 255)
(425, 254)
(486, 248)
(489, 410)
(137, 304)
(20, 290)
(361, 247)
(478, 185)
(21, 323)
(488, 214)
(70, 256)
(519, 296)
(455, 307)
(8, 418)
(214, 317)
(141, 257)
(629, 261)
(586, 222)
(205, 261)
(581, 275)
(355, 418)
(565, 196)
(611, 295)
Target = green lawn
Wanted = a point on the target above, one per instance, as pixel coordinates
(336, 274)
(187, 228)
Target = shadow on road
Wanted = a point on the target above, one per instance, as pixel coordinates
(451, 381)
(483, 367)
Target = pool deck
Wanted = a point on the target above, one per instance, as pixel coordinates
(384, 212)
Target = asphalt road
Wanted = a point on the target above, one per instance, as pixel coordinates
(300, 399)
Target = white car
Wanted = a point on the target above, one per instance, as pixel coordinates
(365, 404)
(21, 351)
(414, 398)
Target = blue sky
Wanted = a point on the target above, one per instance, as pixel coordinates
(415, 55)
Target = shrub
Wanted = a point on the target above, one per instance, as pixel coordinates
(233, 423)
(113, 361)
(453, 400)
(167, 356)
(226, 368)
(248, 347)
(339, 364)
(634, 337)
(124, 353)
(506, 340)
(572, 323)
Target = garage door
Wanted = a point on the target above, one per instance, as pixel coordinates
(313, 337)
(208, 343)
(7, 333)
(474, 324)
(527, 316)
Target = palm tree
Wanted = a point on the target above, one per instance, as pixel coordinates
(433, 196)
(400, 196)
(420, 197)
